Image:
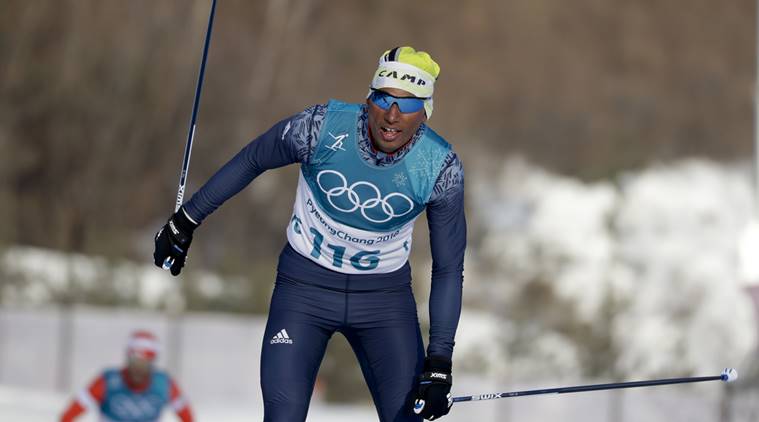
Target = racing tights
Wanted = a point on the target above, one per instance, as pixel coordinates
(375, 312)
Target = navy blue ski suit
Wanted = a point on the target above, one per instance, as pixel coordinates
(376, 312)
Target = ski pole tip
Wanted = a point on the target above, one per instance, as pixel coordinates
(729, 375)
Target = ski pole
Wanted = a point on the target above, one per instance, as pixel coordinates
(169, 261)
(728, 375)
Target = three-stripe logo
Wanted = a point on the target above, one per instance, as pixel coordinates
(281, 338)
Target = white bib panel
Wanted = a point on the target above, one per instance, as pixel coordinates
(342, 248)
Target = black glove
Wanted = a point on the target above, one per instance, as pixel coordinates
(173, 240)
(433, 389)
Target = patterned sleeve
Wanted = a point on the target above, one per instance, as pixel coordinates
(450, 182)
(447, 224)
(289, 141)
(304, 132)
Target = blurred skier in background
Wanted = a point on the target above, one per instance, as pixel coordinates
(138, 392)
(367, 172)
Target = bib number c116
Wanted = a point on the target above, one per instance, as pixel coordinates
(361, 260)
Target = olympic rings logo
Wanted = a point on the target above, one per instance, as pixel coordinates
(372, 203)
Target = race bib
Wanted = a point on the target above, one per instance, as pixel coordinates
(340, 247)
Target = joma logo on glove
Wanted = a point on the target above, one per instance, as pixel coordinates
(487, 396)
(439, 375)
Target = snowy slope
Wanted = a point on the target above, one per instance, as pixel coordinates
(660, 246)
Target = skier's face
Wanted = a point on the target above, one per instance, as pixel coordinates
(139, 367)
(390, 129)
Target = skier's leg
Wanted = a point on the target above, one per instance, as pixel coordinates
(384, 333)
(300, 323)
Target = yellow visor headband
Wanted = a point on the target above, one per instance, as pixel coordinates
(404, 76)
(393, 74)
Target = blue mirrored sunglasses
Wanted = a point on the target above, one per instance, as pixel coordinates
(384, 101)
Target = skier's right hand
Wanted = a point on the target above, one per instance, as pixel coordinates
(173, 240)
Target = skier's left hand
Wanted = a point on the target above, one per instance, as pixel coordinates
(432, 398)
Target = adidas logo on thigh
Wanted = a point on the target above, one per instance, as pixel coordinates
(281, 338)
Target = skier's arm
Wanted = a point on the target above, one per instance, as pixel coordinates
(72, 412)
(180, 404)
(447, 224)
(87, 399)
(287, 142)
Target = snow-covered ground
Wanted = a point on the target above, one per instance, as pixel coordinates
(652, 257)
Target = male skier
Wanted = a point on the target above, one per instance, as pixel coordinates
(367, 172)
(136, 393)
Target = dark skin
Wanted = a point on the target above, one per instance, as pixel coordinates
(390, 129)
